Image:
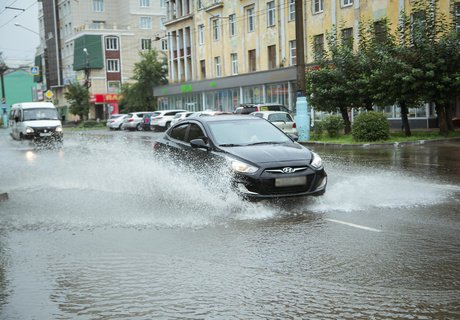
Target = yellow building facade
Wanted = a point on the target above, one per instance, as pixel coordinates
(223, 53)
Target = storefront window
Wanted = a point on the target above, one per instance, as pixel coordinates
(278, 93)
(253, 94)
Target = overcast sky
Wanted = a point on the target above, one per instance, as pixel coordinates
(18, 44)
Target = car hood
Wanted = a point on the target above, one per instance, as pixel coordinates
(268, 153)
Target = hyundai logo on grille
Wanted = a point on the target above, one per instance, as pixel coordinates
(45, 130)
(287, 170)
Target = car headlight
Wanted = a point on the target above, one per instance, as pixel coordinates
(242, 167)
(59, 129)
(316, 161)
(29, 130)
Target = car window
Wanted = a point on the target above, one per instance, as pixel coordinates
(195, 132)
(155, 114)
(179, 132)
(260, 115)
(279, 117)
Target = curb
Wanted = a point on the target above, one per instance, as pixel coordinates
(379, 144)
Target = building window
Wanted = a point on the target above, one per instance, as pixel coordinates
(317, 6)
(164, 45)
(250, 19)
(271, 50)
(292, 53)
(457, 16)
(291, 10)
(163, 3)
(418, 25)
(318, 46)
(380, 31)
(98, 5)
(145, 23)
(113, 65)
(217, 63)
(271, 14)
(347, 3)
(201, 34)
(232, 24)
(146, 44)
(203, 69)
(113, 86)
(162, 23)
(347, 37)
(200, 4)
(234, 59)
(144, 3)
(216, 29)
(252, 60)
(111, 43)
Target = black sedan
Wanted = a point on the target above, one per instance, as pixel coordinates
(264, 161)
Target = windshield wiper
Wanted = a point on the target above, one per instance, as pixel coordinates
(264, 142)
(230, 145)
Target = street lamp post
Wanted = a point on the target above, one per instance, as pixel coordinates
(87, 70)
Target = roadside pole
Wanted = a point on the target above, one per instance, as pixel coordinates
(302, 117)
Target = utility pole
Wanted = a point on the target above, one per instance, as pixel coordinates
(300, 45)
(302, 115)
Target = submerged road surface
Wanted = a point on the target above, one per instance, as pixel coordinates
(100, 229)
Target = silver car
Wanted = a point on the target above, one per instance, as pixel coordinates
(133, 121)
(115, 121)
(281, 119)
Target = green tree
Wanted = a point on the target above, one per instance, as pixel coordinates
(78, 97)
(431, 47)
(149, 72)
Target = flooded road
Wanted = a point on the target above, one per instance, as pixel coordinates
(100, 229)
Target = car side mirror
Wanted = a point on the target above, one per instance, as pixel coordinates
(294, 137)
(199, 143)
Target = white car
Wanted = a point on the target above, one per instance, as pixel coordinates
(133, 121)
(281, 119)
(115, 121)
(161, 120)
(180, 116)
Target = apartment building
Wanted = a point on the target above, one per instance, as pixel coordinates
(96, 43)
(222, 53)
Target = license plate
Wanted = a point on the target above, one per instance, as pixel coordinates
(47, 134)
(288, 182)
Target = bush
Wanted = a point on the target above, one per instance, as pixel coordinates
(92, 124)
(370, 126)
(333, 125)
(317, 129)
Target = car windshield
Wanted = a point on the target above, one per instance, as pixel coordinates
(40, 114)
(246, 132)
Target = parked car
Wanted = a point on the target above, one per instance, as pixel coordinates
(133, 121)
(180, 116)
(281, 119)
(161, 120)
(115, 121)
(145, 123)
(263, 160)
(248, 108)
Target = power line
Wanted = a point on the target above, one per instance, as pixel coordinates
(17, 14)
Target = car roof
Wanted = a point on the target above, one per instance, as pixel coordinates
(31, 105)
(269, 112)
(225, 117)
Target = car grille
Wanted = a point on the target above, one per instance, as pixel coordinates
(265, 185)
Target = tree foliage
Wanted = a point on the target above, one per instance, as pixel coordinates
(418, 63)
(148, 73)
(78, 97)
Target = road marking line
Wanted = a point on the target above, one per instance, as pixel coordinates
(354, 225)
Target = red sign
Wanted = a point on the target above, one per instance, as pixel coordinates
(104, 97)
